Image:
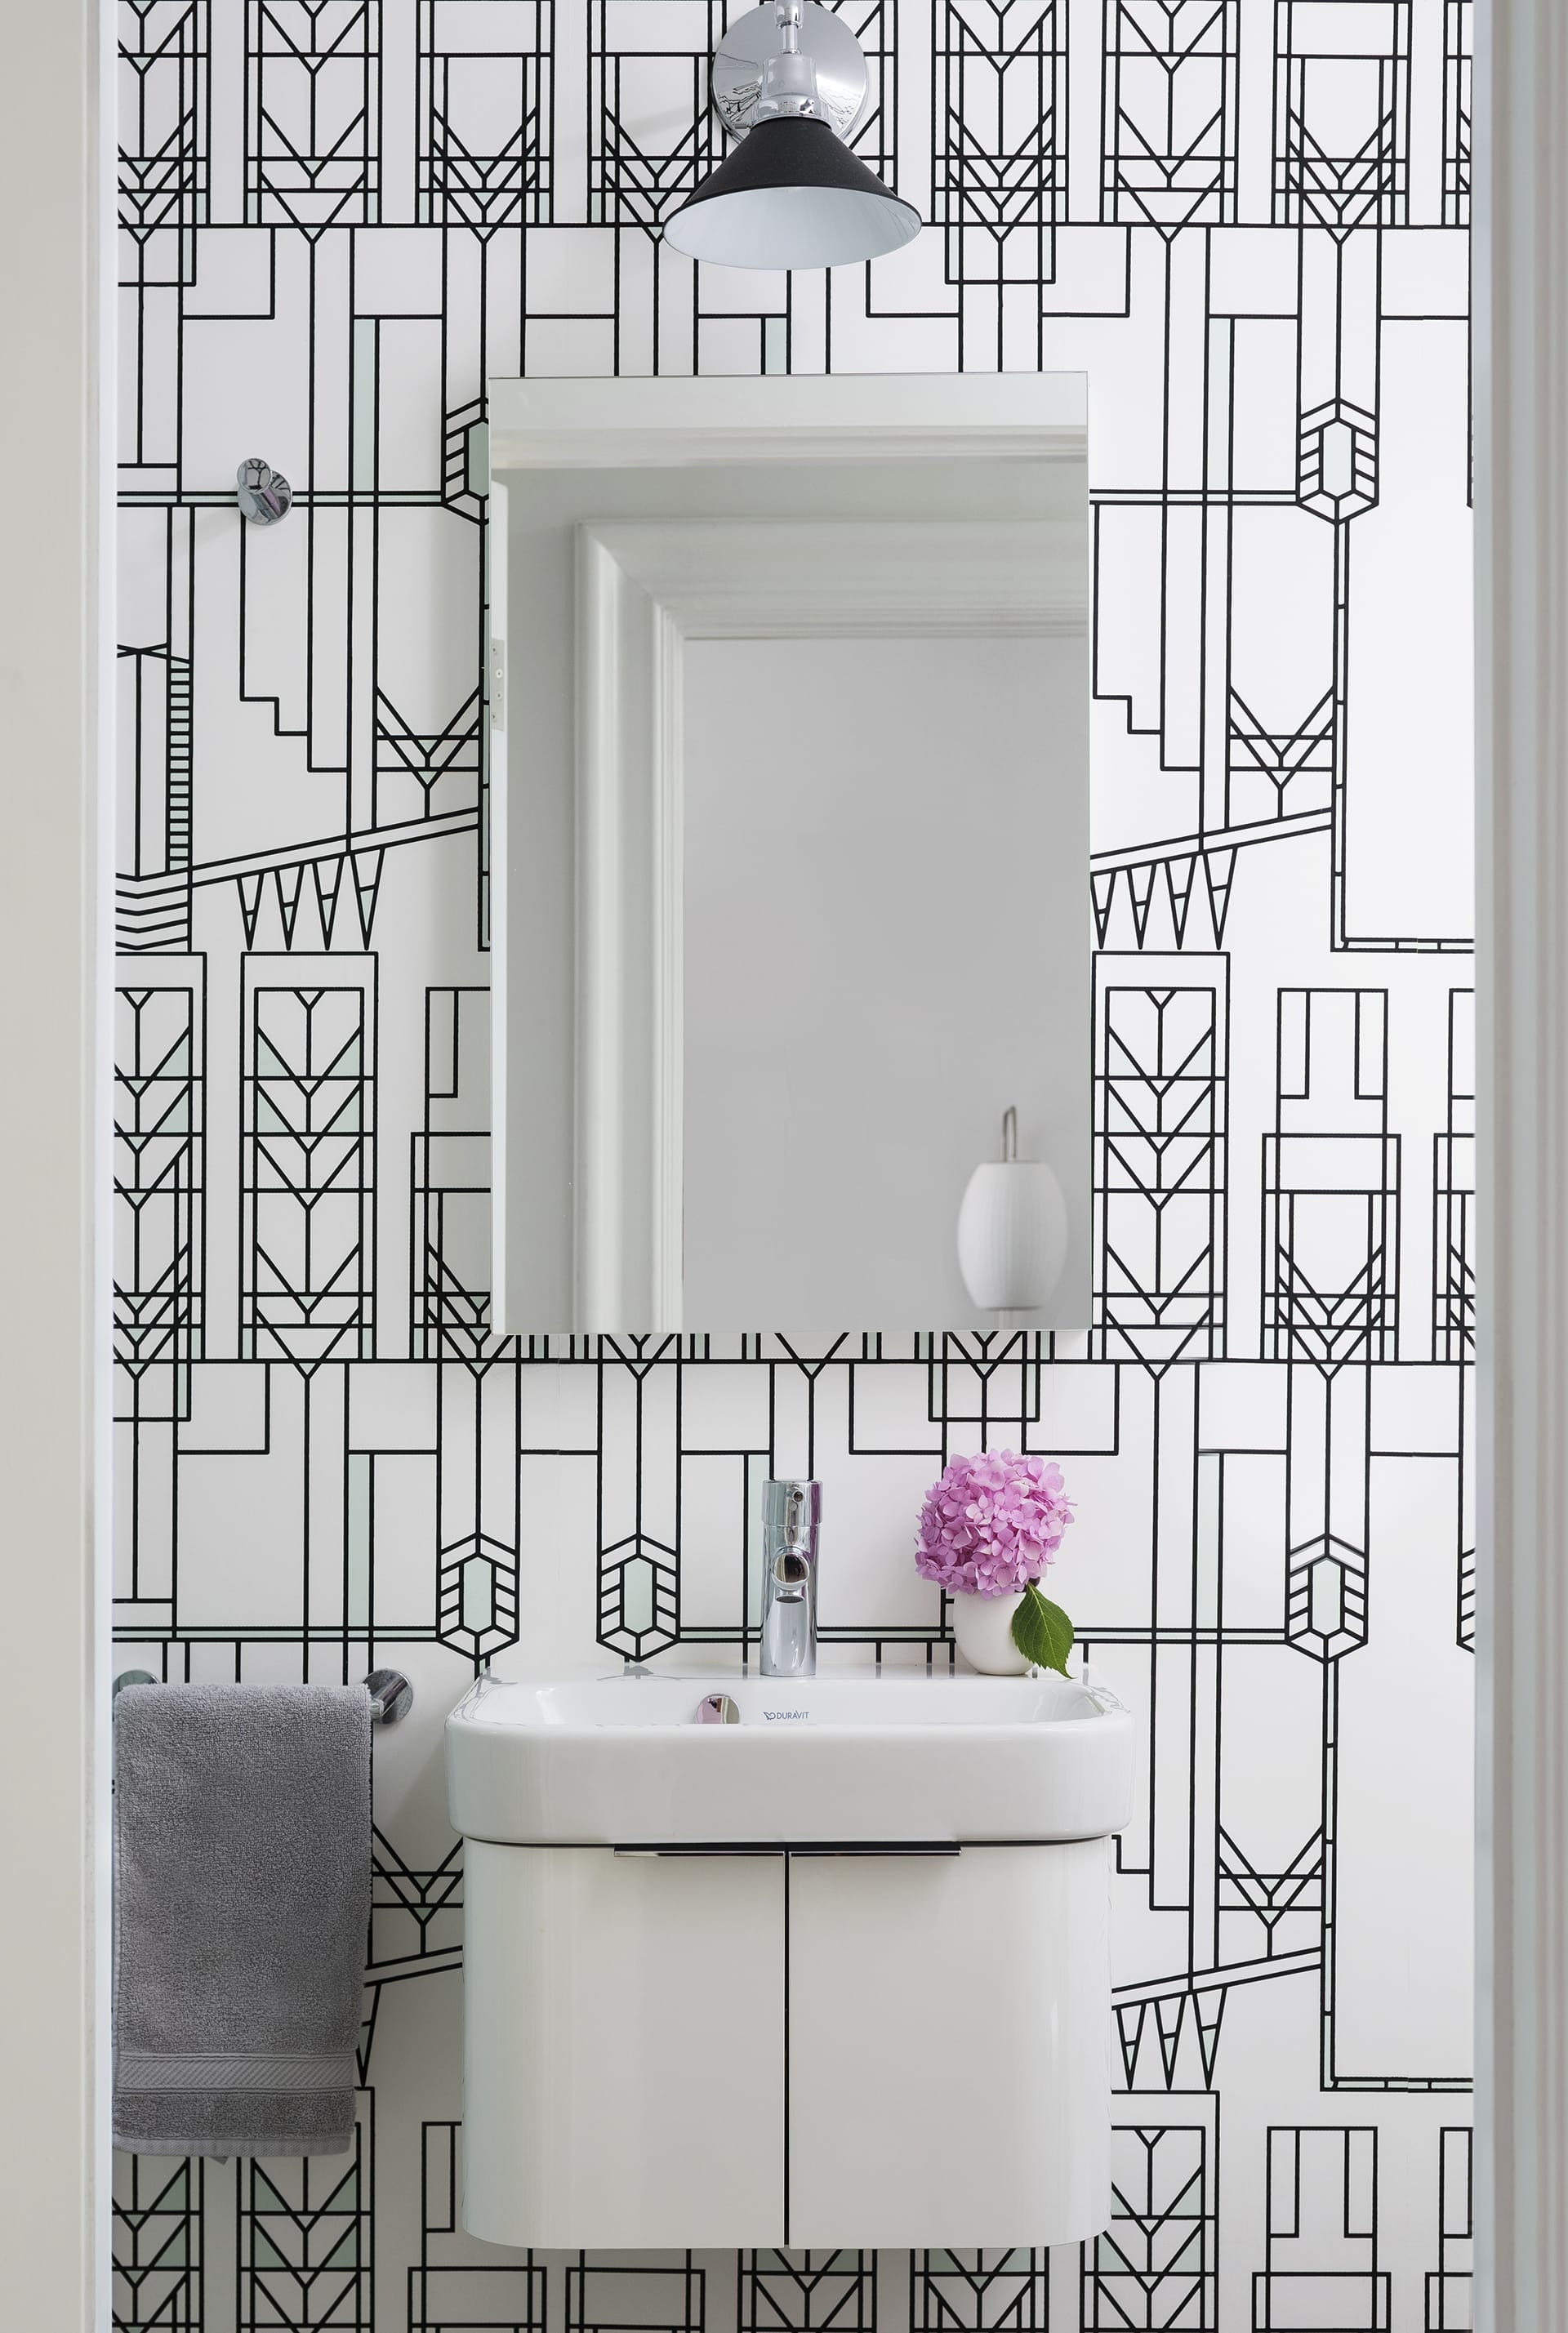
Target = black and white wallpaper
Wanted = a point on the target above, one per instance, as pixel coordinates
(1246, 221)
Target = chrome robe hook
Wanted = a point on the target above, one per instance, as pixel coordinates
(263, 494)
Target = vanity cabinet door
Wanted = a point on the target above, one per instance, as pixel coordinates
(623, 2076)
(948, 2035)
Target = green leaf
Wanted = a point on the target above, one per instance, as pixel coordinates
(1042, 1631)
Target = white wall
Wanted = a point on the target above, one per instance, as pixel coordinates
(1276, 1378)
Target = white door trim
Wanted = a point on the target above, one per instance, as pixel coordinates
(642, 593)
(56, 174)
(1521, 353)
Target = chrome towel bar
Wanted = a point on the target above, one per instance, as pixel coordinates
(392, 1693)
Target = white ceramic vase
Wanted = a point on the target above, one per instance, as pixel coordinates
(983, 1632)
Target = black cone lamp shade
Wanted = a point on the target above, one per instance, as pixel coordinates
(791, 195)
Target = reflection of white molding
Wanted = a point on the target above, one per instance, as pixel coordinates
(600, 1136)
(782, 579)
(627, 1180)
(496, 570)
(666, 1183)
(642, 593)
(628, 423)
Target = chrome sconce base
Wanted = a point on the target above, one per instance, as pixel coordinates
(740, 61)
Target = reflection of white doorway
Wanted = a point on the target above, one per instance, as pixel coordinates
(885, 913)
(725, 595)
(56, 173)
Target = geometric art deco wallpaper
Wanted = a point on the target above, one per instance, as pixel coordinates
(1246, 220)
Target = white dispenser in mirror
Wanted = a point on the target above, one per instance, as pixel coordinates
(1012, 1231)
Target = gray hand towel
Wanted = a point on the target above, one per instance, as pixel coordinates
(242, 1898)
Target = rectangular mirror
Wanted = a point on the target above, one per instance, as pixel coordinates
(788, 688)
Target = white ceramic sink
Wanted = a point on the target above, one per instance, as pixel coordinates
(848, 1757)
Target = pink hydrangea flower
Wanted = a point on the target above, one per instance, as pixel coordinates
(991, 1524)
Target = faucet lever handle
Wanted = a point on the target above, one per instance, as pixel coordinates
(792, 1512)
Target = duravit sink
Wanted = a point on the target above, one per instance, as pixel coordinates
(848, 1757)
(836, 1973)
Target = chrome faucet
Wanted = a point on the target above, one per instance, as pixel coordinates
(791, 1513)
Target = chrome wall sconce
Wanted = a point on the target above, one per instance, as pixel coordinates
(789, 84)
(263, 494)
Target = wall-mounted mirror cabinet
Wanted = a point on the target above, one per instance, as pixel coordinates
(789, 853)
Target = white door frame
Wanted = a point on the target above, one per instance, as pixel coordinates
(56, 100)
(53, 2203)
(1521, 345)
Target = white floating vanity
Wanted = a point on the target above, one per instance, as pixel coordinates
(836, 1974)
